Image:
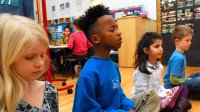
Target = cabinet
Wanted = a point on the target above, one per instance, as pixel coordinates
(132, 28)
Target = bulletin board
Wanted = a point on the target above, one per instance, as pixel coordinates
(57, 30)
(177, 12)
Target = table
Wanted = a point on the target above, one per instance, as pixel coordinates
(58, 47)
(63, 47)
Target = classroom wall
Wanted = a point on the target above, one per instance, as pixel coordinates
(149, 5)
(77, 7)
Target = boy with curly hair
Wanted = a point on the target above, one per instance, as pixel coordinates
(98, 87)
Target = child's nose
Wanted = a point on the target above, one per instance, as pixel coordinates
(118, 33)
(40, 62)
(161, 48)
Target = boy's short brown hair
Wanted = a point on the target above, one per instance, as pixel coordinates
(181, 31)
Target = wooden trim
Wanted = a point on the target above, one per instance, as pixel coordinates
(158, 10)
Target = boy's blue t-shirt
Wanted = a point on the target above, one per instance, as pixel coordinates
(98, 88)
(176, 67)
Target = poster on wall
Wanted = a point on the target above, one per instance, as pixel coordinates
(184, 3)
(180, 3)
(67, 5)
(190, 25)
(164, 29)
(164, 17)
(188, 14)
(197, 2)
(185, 14)
(168, 4)
(197, 13)
(168, 28)
(62, 9)
(181, 15)
(78, 5)
(53, 9)
(172, 16)
(169, 16)
(188, 3)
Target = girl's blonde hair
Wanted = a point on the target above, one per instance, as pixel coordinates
(17, 35)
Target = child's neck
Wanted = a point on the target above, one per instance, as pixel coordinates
(153, 61)
(101, 53)
(30, 84)
(66, 35)
(77, 30)
(180, 50)
(34, 93)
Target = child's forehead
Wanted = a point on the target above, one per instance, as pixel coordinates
(38, 42)
(185, 36)
(188, 36)
(157, 41)
(67, 29)
(36, 46)
(106, 20)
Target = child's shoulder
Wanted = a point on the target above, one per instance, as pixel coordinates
(94, 66)
(49, 86)
(159, 65)
(98, 63)
(46, 84)
(76, 33)
(177, 55)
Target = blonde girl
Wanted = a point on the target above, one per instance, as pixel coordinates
(23, 60)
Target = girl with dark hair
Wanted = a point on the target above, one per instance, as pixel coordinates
(78, 42)
(66, 35)
(149, 70)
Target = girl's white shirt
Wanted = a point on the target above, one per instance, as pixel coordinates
(143, 81)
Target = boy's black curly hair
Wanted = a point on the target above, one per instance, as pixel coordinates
(90, 17)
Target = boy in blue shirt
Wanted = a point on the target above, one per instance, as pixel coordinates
(175, 72)
(98, 87)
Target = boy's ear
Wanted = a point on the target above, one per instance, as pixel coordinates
(146, 50)
(176, 40)
(95, 39)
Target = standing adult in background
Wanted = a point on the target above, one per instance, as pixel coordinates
(78, 42)
(17, 7)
